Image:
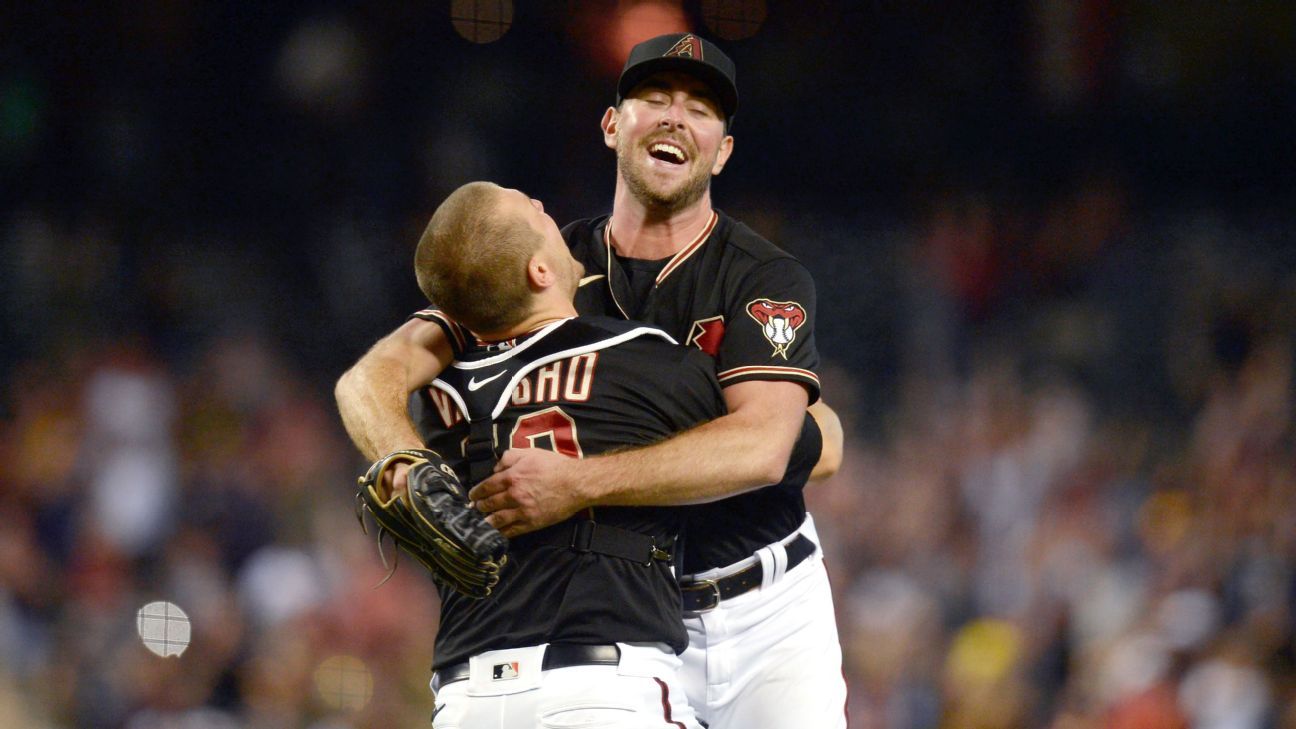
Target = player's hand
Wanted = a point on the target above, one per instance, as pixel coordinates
(397, 480)
(530, 489)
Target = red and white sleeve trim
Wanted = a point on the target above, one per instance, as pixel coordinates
(766, 373)
(453, 328)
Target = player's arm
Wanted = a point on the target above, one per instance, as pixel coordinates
(746, 449)
(830, 457)
(373, 395)
(768, 385)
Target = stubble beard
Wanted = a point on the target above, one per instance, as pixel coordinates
(657, 197)
(577, 273)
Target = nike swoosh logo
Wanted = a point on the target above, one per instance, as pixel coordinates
(474, 385)
(589, 279)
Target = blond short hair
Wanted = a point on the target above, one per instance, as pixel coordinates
(472, 261)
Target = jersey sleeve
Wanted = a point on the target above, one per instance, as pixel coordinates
(769, 328)
(456, 333)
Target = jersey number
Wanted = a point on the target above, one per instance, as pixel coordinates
(550, 428)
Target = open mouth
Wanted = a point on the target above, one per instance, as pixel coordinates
(667, 152)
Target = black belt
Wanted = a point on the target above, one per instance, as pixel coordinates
(585, 535)
(556, 655)
(704, 595)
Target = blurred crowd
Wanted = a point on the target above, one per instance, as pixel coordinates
(1015, 554)
(1056, 271)
(1046, 526)
(223, 490)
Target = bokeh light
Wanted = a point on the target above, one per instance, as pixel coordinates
(481, 21)
(607, 37)
(321, 65)
(163, 627)
(344, 683)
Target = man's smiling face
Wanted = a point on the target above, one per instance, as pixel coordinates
(670, 139)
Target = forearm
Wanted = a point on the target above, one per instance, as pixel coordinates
(373, 403)
(726, 456)
(373, 396)
(744, 450)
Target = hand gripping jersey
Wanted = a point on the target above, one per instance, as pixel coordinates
(748, 304)
(579, 387)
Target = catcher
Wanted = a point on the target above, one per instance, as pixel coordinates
(579, 622)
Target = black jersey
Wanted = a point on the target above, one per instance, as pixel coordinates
(579, 387)
(751, 306)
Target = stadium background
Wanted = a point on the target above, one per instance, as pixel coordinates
(1057, 279)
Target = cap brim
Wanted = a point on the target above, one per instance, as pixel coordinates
(724, 89)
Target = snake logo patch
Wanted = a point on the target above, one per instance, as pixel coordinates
(779, 321)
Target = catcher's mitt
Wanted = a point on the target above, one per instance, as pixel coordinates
(436, 525)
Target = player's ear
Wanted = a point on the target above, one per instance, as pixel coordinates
(726, 149)
(540, 273)
(611, 118)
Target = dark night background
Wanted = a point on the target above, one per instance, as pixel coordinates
(1055, 248)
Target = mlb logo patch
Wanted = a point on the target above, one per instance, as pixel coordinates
(504, 671)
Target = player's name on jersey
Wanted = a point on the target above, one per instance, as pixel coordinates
(565, 380)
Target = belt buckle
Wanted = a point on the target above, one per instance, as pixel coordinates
(715, 592)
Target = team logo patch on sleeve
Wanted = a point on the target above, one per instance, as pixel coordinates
(779, 321)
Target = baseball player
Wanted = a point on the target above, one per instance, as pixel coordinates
(763, 643)
(763, 648)
(583, 627)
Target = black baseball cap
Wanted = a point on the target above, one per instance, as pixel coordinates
(686, 53)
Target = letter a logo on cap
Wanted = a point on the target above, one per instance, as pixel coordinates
(687, 47)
